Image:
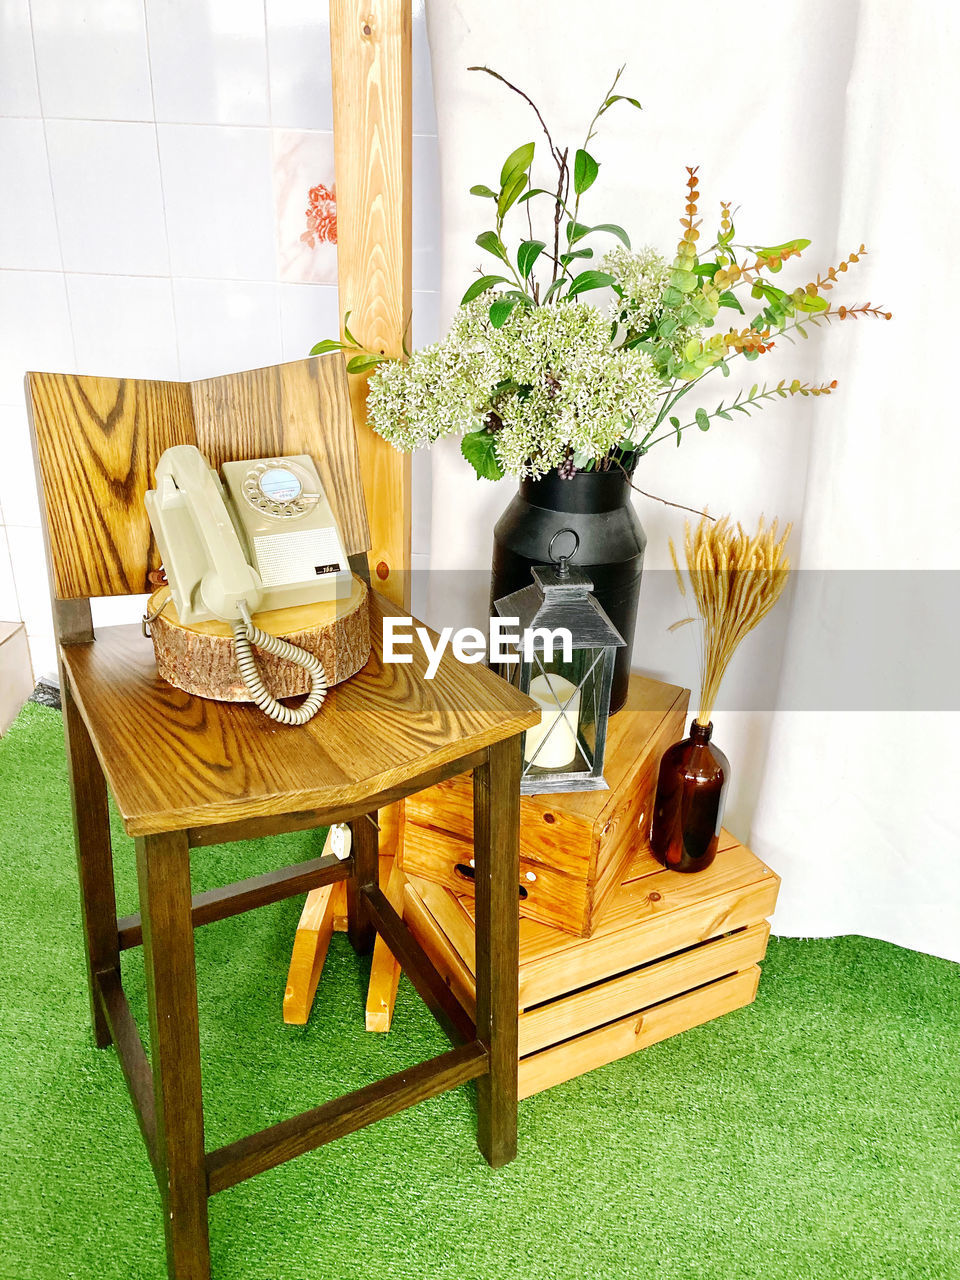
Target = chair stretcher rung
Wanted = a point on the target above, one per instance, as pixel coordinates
(132, 1055)
(245, 895)
(229, 1165)
(416, 964)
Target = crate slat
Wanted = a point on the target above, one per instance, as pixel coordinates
(602, 1003)
(619, 1039)
(671, 952)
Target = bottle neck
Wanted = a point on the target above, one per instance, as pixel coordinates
(701, 732)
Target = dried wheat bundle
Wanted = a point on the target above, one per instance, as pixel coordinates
(736, 580)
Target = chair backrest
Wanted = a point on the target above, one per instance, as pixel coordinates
(98, 440)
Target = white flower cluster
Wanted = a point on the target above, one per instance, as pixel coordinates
(642, 275)
(549, 379)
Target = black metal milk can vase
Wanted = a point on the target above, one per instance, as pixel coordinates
(596, 506)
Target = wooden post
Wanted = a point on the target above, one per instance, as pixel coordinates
(163, 874)
(371, 55)
(91, 825)
(496, 835)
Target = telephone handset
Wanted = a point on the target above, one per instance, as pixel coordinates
(263, 538)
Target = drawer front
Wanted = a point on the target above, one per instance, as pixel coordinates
(546, 893)
(555, 852)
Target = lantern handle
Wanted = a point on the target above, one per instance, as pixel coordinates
(561, 561)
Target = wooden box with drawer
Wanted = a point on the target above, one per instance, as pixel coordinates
(671, 951)
(573, 845)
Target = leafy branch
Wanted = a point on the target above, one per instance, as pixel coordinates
(756, 398)
(364, 361)
(514, 178)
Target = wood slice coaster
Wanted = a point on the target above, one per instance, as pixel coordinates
(200, 659)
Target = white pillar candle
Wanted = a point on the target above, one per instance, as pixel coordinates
(559, 728)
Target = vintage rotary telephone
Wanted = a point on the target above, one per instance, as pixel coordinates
(263, 538)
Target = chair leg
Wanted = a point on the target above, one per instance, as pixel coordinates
(366, 862)
(163, 871)
(91, 827)
(496, 826)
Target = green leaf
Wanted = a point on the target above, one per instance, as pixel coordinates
(671, 297)
(621, 97)
(577, 230)
(363, 364)
(567, 258)
(518, 161)
(490, 241)
(703, 308)
(328, 345)
(499, 311)
(685, 281)
(479, 449)
(722, 413)
(481, 190)
(585, 170)
(508, 196)
(536, 191)
(554, 288)
(728, 299)
(589, 280)
(703, 421)
(770, 250)
(517, 296)
(675, 423)
(527, 254)
(349, 336)
(709, 269)
(812, 302)
(614, 230)
(481, 285)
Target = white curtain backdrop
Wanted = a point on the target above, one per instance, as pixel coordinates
(830, 121)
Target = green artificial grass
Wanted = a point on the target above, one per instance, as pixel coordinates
(813, 1134)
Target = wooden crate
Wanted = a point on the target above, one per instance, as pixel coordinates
(670, 952)
(574, 846)
(16, 676)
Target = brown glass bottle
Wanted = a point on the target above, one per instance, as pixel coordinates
(688, 810)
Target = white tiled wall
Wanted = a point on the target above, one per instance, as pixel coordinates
(156, 161)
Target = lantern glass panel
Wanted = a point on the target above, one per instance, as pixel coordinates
(565, 751)
(571, 694)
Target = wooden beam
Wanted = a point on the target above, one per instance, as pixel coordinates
(371, 55)
(294, 1137)
(434, 992)
(132, 1055)
(385, 967)
(245, 895)
(309, 952)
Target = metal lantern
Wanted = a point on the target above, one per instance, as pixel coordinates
(565, 751)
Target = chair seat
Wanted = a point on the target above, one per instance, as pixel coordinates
(175, 761)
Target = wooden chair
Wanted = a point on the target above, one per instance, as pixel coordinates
(185, 773)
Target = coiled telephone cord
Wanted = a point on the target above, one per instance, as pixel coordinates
(245, 637)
